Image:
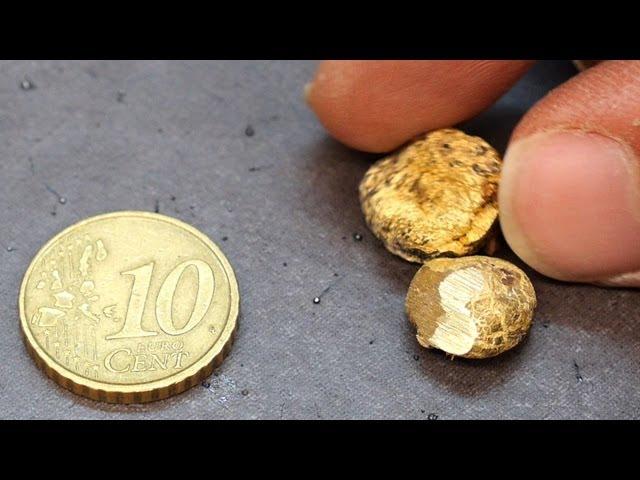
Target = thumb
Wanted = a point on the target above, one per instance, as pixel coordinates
(570, 189)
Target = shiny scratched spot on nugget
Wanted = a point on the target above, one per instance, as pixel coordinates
(437, 197)
(474, 307)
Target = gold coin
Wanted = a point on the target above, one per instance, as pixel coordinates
(436, 197)
(129, 307)
(474, 307)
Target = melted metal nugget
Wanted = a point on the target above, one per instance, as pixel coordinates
(474, 307)
(436, 197)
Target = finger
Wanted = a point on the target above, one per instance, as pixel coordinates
(570, 188)
(584, 64)
(378, 105)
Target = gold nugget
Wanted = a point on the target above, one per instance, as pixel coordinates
(473, 307)
(436, 197)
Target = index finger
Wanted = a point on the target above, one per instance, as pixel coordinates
(376, 105)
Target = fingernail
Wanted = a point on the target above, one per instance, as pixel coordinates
(307, 91)
(570, 206)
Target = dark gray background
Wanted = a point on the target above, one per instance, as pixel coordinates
(132, 135)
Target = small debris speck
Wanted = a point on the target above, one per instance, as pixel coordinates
(316, 300)
(120, 96)
(27, 84)
(206, 384)
(173, 198)
(579, 377)
(416, 357)
(284, 264)
(432, 416)
(249, 131)
(225, 238)
(371, 342)
(156, 208)
(357, 237)
(160, 130)
(254, 169)
(245, 392)
(336, 274)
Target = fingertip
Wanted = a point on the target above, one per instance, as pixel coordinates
(569, 205)
(376, 106)
(306, 92)
(341, 97)
(631, 279)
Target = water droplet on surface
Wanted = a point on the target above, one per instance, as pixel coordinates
(357, 237)
(10, 249)
(27, 84)
(316, 300)
(62, 200)
(432, 416)
(245, 392)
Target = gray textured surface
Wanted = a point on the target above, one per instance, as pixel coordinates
(285, 195)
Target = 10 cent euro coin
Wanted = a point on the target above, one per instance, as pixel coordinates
(129, 307)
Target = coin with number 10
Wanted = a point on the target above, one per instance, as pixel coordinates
(129, 307)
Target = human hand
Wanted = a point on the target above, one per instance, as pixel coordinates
(569, 195)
